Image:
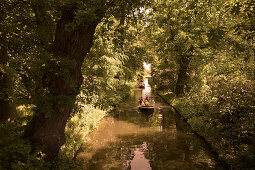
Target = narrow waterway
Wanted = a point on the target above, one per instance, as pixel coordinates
(130, 140)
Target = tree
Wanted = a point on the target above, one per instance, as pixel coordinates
(185, 32)
(55, 38)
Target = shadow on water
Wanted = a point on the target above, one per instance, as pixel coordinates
(130, 140)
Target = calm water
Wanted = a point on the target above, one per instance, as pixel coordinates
(129, 140)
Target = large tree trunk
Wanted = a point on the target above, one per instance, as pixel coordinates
(182, 75)
(48, 128)
(7, 108)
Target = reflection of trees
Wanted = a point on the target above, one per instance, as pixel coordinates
(170, 151)
(116, 155)
(164, 150)
(158, 118)
(181, 125)
(167, 119)
(133, 116)
(195, 149)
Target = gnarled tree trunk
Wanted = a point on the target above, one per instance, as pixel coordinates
(182, 75)
(48, 128)
(184, 62)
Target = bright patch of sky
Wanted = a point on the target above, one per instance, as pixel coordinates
(147, 66)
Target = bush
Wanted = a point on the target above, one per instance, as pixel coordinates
(15, 152)
(224, 106)
(82, 122)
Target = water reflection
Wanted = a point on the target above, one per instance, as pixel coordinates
(139, 161)
(128, 140)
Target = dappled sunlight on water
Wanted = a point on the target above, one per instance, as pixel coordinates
(130, 140)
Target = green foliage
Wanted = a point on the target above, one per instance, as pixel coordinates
(224, 106)
(107, 70)
(83, 121)
(165, 80)
(16, 152)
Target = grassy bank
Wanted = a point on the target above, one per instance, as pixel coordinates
(228, 129)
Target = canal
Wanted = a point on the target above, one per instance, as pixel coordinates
(130, 140)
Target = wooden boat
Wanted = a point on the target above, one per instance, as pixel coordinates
(141, 86)
(146, 110)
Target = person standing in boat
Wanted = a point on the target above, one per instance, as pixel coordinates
(146, 97)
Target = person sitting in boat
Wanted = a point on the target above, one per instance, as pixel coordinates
(146, 103)
(140, 101)
(152, 102)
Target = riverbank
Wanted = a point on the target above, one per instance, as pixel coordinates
(168, 98)
(199, 115)
(214, 131)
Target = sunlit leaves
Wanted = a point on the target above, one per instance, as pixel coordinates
(104, 70)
